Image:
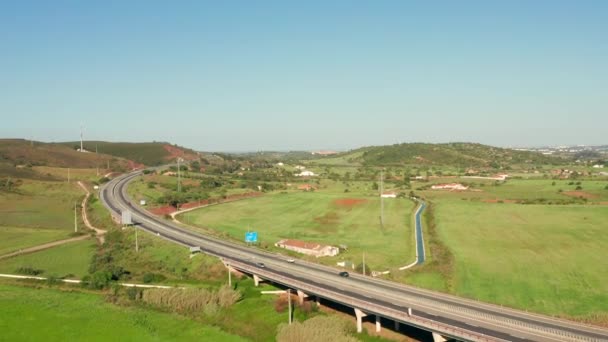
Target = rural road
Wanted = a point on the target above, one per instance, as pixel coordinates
(446, 314)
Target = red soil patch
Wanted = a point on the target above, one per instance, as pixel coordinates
(135, 166)
(349, 202)
(175, 152)
(581, 194)
(166, 210)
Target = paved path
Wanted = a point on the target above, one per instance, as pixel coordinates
(76, 281)
(43, 246)
(100, 232)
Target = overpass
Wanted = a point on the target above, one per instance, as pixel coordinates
(446, 316)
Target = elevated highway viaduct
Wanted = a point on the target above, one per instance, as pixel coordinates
(446, 316)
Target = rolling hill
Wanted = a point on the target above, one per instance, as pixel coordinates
(448, 154)
(20, 152)
(147, 153)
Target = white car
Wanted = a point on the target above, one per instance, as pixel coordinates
(290, 261)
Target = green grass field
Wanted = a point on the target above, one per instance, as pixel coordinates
(28, 314)
(69, 259)
(543, 258)
(12, 239)
(317, 217)
(89, 174)
(41, 204)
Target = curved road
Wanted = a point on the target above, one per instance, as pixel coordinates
(448, 315)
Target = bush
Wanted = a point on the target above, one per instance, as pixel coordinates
(578, 187)
(134, 293)
(192, 300)
(29, 271)
(153, 278)
(317, 329)
(99, 280)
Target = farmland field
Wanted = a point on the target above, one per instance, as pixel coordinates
(41, 204)
(543, 258)
(28, 314)
(69, 259)
(327, 218)
(12, 239)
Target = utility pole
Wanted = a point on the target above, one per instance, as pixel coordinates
(75, 219)
(363, 263)
(136, 240)
(229, 276)
(381, 198)
(68, 175)
(289, 304)
(179, 184)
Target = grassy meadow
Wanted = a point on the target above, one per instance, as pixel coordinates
(14, 238)
(37, 212)
(320, 217)
(34, 314)
(39, 204)
(549, 259)
(71, 259)
(542, 257)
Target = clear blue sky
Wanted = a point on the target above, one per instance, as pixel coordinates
(259, 75)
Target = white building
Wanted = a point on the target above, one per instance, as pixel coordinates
(449, 186)
(305, 173)
(308, 248)
(389, 194)
(598, 166)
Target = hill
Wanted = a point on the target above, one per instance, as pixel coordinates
(147, 153)
(448, 154)
(20, 152)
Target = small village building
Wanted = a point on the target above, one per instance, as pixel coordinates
(306, 187)
(598, 166)
(305, 173)
(449, 186)
(308, 248)
(389, 194)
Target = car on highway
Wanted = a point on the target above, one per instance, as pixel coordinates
(291, 261)
(344, 274)
(260, 265)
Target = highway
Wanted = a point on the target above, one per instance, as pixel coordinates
(447, 315)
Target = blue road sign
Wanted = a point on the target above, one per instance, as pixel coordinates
(251, 237)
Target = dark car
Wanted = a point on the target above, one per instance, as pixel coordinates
(260, 265)
(344, 274)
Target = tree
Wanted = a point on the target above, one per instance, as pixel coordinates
(359, 268)
(375, 186)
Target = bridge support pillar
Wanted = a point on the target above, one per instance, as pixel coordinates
(438, 338)
(360, 314)
(396, 326)
(378, 325)
(301, 296)
(256, 280)
(318, 300)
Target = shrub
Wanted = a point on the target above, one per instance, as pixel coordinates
(100, 280)
(153, 278)
(192, 300)
(578, 187)
(317, 329)
(27, 270)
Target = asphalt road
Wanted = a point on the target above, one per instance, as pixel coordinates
(467, 319)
